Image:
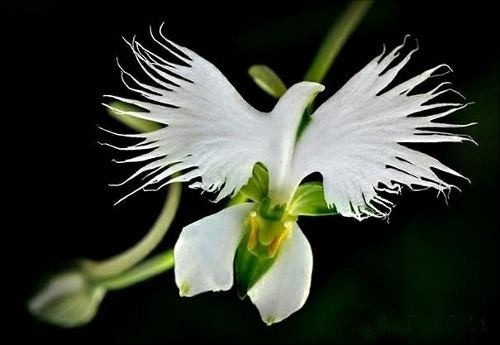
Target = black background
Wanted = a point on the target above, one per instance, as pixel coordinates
(429, 275)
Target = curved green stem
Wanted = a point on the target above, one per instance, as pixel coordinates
(145, 270)
(122, 262)
(336, 38)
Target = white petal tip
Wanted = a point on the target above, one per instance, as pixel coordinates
(270, 319)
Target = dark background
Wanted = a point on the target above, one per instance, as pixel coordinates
(429, 275)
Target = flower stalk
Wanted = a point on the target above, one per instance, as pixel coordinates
(72, 298)
(340, 31)
(124, 261)
(147, 269)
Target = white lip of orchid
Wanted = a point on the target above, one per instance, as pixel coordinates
(354, 139)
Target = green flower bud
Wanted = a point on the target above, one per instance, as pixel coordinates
(267, 80)
(68, 299)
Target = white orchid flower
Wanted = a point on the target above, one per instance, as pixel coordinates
(214, 139)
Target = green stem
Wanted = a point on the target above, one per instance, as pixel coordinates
(336, 38)
(122, 262)
(145, 270)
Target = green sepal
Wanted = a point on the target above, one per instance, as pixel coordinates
(117, 110)
(309, 200)
(267, 80)
(249, 268)
(258, 185)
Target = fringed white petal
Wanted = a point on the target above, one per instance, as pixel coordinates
(205, 250)
(210, 131)
(284, 288)
(354, 139)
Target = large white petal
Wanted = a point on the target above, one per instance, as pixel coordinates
(284, 288)
(354, 138)
(210, 131)
(205, 250)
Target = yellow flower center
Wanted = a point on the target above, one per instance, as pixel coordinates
(265, 236)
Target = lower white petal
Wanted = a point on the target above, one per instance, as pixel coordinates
(284, 288)
(204, 252)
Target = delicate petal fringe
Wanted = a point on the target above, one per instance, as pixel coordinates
(355, 138)
(210, 132)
